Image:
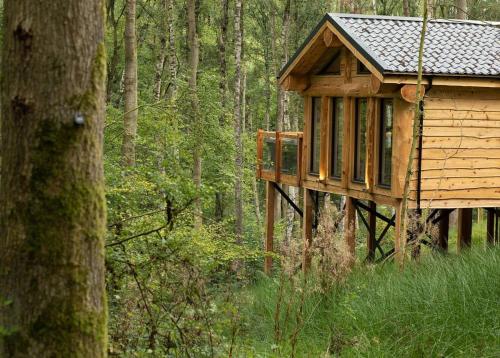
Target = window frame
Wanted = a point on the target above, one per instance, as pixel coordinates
(311, 153)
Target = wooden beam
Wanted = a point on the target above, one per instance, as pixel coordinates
(372, 233)
(409, 93)
(443, 230)
(269, 239)
(295, 83)
(324, 143)
(490, 227)
(330, 39)
(307, 229)
(466, 82)
(350, 227)
(464, 228)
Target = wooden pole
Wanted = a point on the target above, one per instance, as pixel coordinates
(372, 233)
(399, 239)
(464, 228)
(307, 229)
(350, 226)
(443, 230)
(270, 210)
(490, 227)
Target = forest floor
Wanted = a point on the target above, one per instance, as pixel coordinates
(438, 307)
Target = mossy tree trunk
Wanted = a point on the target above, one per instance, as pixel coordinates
(52, 205)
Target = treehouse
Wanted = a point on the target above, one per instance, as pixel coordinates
(357, 75)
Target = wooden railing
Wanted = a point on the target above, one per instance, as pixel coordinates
(279, 157)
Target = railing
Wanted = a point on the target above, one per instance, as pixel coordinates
(279, 157)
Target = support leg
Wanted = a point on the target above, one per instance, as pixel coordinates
(350, 227)
(443, 230)
(307, 229)
(464, 228)
(270, 211)
(372, 221)
(490, 227)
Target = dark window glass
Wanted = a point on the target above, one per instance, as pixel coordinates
(333, 67)
(360, 140)
(362, 70)
(315, 135)
(385, 143)
(269, 153)
(289, 156)
(337, 132)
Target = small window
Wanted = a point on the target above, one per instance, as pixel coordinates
(337, 132)
(269, 154)
(362, 70)
(289, 148)
(385, 143)
(332, 67)
(360, 140)
(315, 135)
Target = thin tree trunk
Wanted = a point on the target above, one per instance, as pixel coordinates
(52, 204)
(193, 59)
(406, 8)
(115, 54)
(131, 111)
(415, 134)
(223, 89)
(238, 44)
(172, 58)
(161, 55)
(461, 9)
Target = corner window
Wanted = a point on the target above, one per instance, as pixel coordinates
(315, 135)
(337, 105)
(385, 143)
(360, 122)
(289, 148)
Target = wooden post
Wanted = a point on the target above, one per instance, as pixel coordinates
(372, 233)
(443, 230)
(270, 209)
(350, 226)
(307, 229)
(464, 228)
(490, 226)
(399, 245)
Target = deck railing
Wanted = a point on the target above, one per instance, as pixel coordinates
(279, 157)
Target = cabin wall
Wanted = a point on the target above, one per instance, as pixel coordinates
(461, 149)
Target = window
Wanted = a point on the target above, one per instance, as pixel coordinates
(315, 135)
(362, 70)
(360, 140)
(337, 132)
(385, 143)
(269, 154)
(332, 67)
(289, 148)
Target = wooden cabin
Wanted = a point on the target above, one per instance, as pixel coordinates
(357, 75)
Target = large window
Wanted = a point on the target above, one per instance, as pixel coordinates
(360, 140)
(315, 135)
(289, 148)
(385, 143)
(337, 132)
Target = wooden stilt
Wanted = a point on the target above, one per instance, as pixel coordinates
(464, 228)
(399, 241)
(270, 211)
(443, 230)
(350, 226)
(490, 227)
(372, 233)
(307, 229)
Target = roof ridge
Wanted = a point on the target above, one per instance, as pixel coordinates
(407, 18)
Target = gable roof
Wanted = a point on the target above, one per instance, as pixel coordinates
(390, 44)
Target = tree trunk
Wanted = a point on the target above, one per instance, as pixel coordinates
(115, 53)
(131, 111)
(461, 9)
(222, 40)
(172, 58)
(406, 8)
(161, 55)
(52, 205)
(193, 59)
(238, 208)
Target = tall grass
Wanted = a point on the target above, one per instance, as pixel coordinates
(441, 306)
